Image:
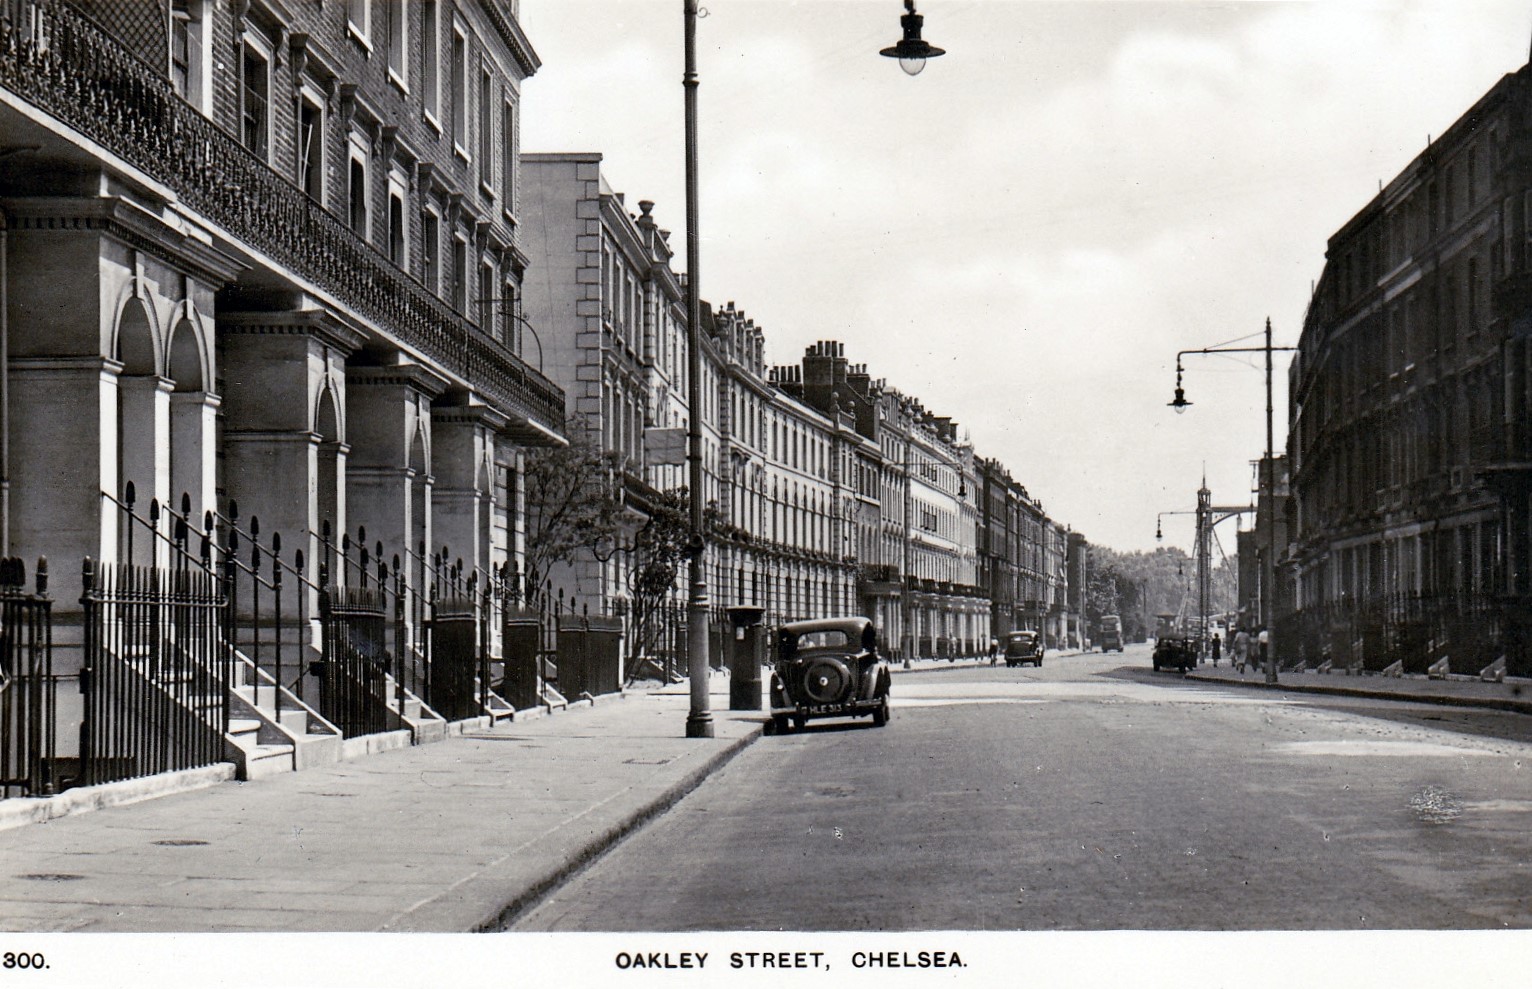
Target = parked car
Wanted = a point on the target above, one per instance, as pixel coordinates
(1023, 647)
(1175, 652)
(828, 667)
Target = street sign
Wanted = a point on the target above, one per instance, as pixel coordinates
(664, 446)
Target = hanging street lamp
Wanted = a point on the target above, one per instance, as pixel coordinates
(911, 51)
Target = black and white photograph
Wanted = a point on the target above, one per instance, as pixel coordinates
(763, 492)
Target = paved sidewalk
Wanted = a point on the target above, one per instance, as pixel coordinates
(1513, 695)
(440, 837)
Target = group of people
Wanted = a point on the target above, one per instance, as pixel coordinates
(1240, 654)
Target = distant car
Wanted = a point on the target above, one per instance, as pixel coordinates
(828, 667)
(1023, 647)
(1175, 652)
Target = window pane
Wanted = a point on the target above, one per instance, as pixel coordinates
(430, 236)
(255, 107)
(430, 37)
(396, 230)
(358, 197)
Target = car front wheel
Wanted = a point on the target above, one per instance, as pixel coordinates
(880, 713)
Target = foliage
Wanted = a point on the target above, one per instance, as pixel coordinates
(572, 500)
(659, 552)
(1137, 586)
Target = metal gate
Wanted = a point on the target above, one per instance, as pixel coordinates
(453, 669)
(521, 643)
(156, 671)
(353, 687)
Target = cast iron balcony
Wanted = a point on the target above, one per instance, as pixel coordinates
(55, 58)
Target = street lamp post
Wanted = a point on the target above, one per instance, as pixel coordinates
(912, 53)
(514, 314)
(1180, 404)
(699, 721)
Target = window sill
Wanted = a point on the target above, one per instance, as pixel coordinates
(360, 38)
(458, 150)
(486, 191)
(508, 217)
(431, 122)
(398, 82)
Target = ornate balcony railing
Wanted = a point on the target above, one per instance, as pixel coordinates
(58, 60)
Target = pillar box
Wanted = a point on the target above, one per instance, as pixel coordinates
(745, 652)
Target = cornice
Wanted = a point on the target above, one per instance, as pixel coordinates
(317, 323)
(477, 415)
(509, 29)
(128, 222)
(416, 376)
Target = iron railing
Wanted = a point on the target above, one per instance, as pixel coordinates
(156, 671)
(1469, 631)
(60, 61)
(29, 687)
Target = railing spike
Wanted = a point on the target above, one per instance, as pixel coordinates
(186, 504)
(255, 526)
(129, 495)
(42, 575)
(233, 510)
(298, 561)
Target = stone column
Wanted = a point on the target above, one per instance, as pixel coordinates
(388, 473)
(280, 369)
(193, 459)
(64, 454)
(462, 504)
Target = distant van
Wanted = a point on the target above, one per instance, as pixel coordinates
(1111, 633)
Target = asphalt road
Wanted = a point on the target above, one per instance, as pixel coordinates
(1090, 794)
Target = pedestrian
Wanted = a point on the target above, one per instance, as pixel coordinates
(1241, 649)
(1217, 648)
(994, 651)
(1263, 640)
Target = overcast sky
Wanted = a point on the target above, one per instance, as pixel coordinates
(1024, 235)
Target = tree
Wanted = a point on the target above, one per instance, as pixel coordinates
(658, 553)
(1144, 585)
(572, 500)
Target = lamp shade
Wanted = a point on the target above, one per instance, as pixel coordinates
(911, 51)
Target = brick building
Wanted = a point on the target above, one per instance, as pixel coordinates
(259, 254)
(1408, 439)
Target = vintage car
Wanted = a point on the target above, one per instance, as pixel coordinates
(1023, 647)
(828, 667)
(1176, 652)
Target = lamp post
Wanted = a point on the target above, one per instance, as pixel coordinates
(514, 314)
(912, 53)
(699, 720)
(1180, 403)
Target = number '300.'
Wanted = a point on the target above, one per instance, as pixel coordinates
(22, 959)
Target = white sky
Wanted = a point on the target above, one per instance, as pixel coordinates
(1024, 235)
